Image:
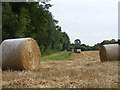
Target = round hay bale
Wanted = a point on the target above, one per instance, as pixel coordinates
(20, 54)
(109, 52)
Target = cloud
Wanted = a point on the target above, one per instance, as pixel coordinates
(89, 20)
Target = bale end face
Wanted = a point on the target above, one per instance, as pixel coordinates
(103, 56)
(30, 55)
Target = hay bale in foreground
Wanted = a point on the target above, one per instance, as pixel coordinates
(109, 52)
(20, 54)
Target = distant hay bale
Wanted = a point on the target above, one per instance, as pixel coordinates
(109, 52)
(20, 54)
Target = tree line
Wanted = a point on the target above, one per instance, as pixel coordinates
(85, 47)
(33, 19)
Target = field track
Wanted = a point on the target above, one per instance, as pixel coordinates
(82, 70)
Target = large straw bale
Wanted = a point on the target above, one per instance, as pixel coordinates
(20, 54)
(109, 52)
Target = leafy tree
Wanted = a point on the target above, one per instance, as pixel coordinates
(77, 42)
(33, 19)
(83, 48)
(9, 22)
(66, 41)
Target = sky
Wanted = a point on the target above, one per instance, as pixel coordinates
(91, 21)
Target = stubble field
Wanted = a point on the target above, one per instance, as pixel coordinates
(84, 70)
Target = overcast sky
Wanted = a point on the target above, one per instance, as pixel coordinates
(91, 21)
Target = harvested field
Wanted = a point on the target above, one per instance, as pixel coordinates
(80, 70)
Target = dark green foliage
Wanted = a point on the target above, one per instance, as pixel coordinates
(108, 42)
(66, 41)
(77, 44)
(83, 48)
(25, 19)
(119, 41)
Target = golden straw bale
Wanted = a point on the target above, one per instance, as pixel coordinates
(20, 54)
(109, 52)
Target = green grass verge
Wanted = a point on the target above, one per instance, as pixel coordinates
(49, 52)
(57, 56)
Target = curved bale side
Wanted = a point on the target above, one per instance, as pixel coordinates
(20, 54)
(109, 52)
